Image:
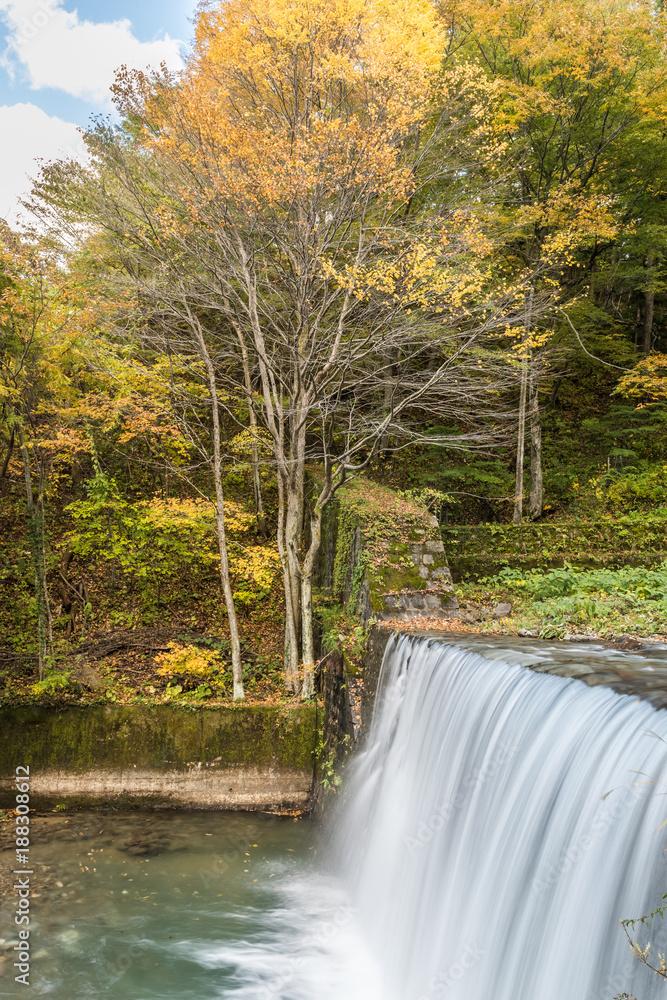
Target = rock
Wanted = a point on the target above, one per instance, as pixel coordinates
(502, 611)
(571, 669)
(527, 634)
(88, 678)
(627, 642)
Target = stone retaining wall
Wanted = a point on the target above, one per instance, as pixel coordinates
(483, 549)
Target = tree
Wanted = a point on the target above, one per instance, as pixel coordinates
(39, 331)
(288, 212)
(573, 79)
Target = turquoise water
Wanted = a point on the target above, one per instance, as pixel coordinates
(175, 906)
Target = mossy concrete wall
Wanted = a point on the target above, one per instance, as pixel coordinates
(242, 757)
(383, 557)
(483, 549)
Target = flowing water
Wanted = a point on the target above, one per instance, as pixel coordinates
(485, 858)
(475, 854)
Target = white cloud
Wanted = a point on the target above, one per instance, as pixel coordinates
(79, 57)
(26, 134)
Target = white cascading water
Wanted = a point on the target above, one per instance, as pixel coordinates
(478, 846)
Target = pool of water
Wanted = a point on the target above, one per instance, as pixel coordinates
(172, 905)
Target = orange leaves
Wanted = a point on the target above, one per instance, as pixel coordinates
(290, 100)
(295, 57)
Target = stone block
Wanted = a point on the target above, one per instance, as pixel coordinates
(502, 610)
(428, 559)
(432, 602)
(434, 547)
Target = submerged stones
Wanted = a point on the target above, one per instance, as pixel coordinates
(138, 847)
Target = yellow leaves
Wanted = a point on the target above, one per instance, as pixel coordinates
(568, 220)
(253, 567)
(285, 98)
(527, 341)
(647, 382)
(389, 46)
(177, 513)
(589, 43)
(246, 441)
(442, 271)
(182, 659)
(257, 565)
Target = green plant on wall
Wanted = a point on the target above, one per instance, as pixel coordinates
(329, 762)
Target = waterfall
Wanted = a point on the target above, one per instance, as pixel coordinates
(480, 847)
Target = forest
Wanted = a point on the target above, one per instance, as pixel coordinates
(417, 246)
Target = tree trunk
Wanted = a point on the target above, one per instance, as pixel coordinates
(526, 383)
(521, 441)
(307, 640)
(36, 534)
(291, 657)
(10, 449)
(254, 450)
(293, 534)
(112, 577)
(649, 303)
(42, 536)
(293, 518)
(536, 482)
(237, 665)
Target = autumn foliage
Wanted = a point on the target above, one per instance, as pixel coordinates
(345, 230)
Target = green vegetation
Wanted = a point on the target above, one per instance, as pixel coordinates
(555, 602)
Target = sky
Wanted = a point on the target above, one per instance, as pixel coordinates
(57, 63)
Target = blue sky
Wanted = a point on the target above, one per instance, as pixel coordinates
(57, 59)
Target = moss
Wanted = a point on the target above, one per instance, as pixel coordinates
(374, 530)
(160, 738)
(399, 572)
(483, 549)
